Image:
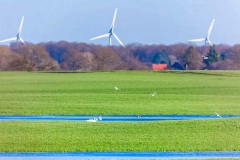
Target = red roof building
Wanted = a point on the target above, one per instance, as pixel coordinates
(159, 67)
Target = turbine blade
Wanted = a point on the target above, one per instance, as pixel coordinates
(210, 42)
(118, 40)
(10, 39)
(102, 36)
(210, 28)
(197, 40)
(20, 28)
(21, 40)
(114, 19)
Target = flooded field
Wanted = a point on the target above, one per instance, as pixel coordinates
(115, 155)
(111, 118)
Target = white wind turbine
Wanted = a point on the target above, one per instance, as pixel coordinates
(206, 39)
(18, 36)
(111, 32)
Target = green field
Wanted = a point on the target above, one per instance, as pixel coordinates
(202, 135)
(196, 92)
(203, 92)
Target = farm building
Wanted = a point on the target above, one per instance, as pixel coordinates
(159, 67)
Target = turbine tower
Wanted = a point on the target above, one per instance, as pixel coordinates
(111, 32)
(18, 36)
(206, 39)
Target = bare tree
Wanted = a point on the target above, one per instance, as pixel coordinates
(35, 57)
(8, 59)
(106, 59)
(133, 64)
(192, 59)
(227, 64)
(235, 56)
(75, 60)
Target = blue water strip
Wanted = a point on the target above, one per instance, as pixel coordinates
(109, 118)
(235, 154)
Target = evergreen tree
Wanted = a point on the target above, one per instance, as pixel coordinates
(161, 58)
(212, 56)
(223, 56)
(156, 58)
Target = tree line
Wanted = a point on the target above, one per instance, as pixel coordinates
(55, 56)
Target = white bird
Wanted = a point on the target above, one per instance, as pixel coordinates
(92, 120)
(218, 114)
(206, 39)
(111, 32)
(95, 119)
(154, 94)
(116, 88)
(18, 36)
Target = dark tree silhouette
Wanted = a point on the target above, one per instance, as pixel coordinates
(211, 57)
(82, 56)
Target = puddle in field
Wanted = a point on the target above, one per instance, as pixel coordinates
(110, 118)
(115, 155)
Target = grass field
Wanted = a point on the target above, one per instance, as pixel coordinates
(26, 93)
(202, 135)
(196, 92)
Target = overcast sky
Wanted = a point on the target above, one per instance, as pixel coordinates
(138, 21)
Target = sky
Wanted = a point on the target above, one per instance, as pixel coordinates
(138, 21)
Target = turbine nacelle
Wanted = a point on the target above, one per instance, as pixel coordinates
(207, 41)
(18, 36)
(111, 32)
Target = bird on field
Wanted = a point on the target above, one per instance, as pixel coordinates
(116, 88)
(95, 119)
(92, 120)
(218, 114)
(154, 94)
